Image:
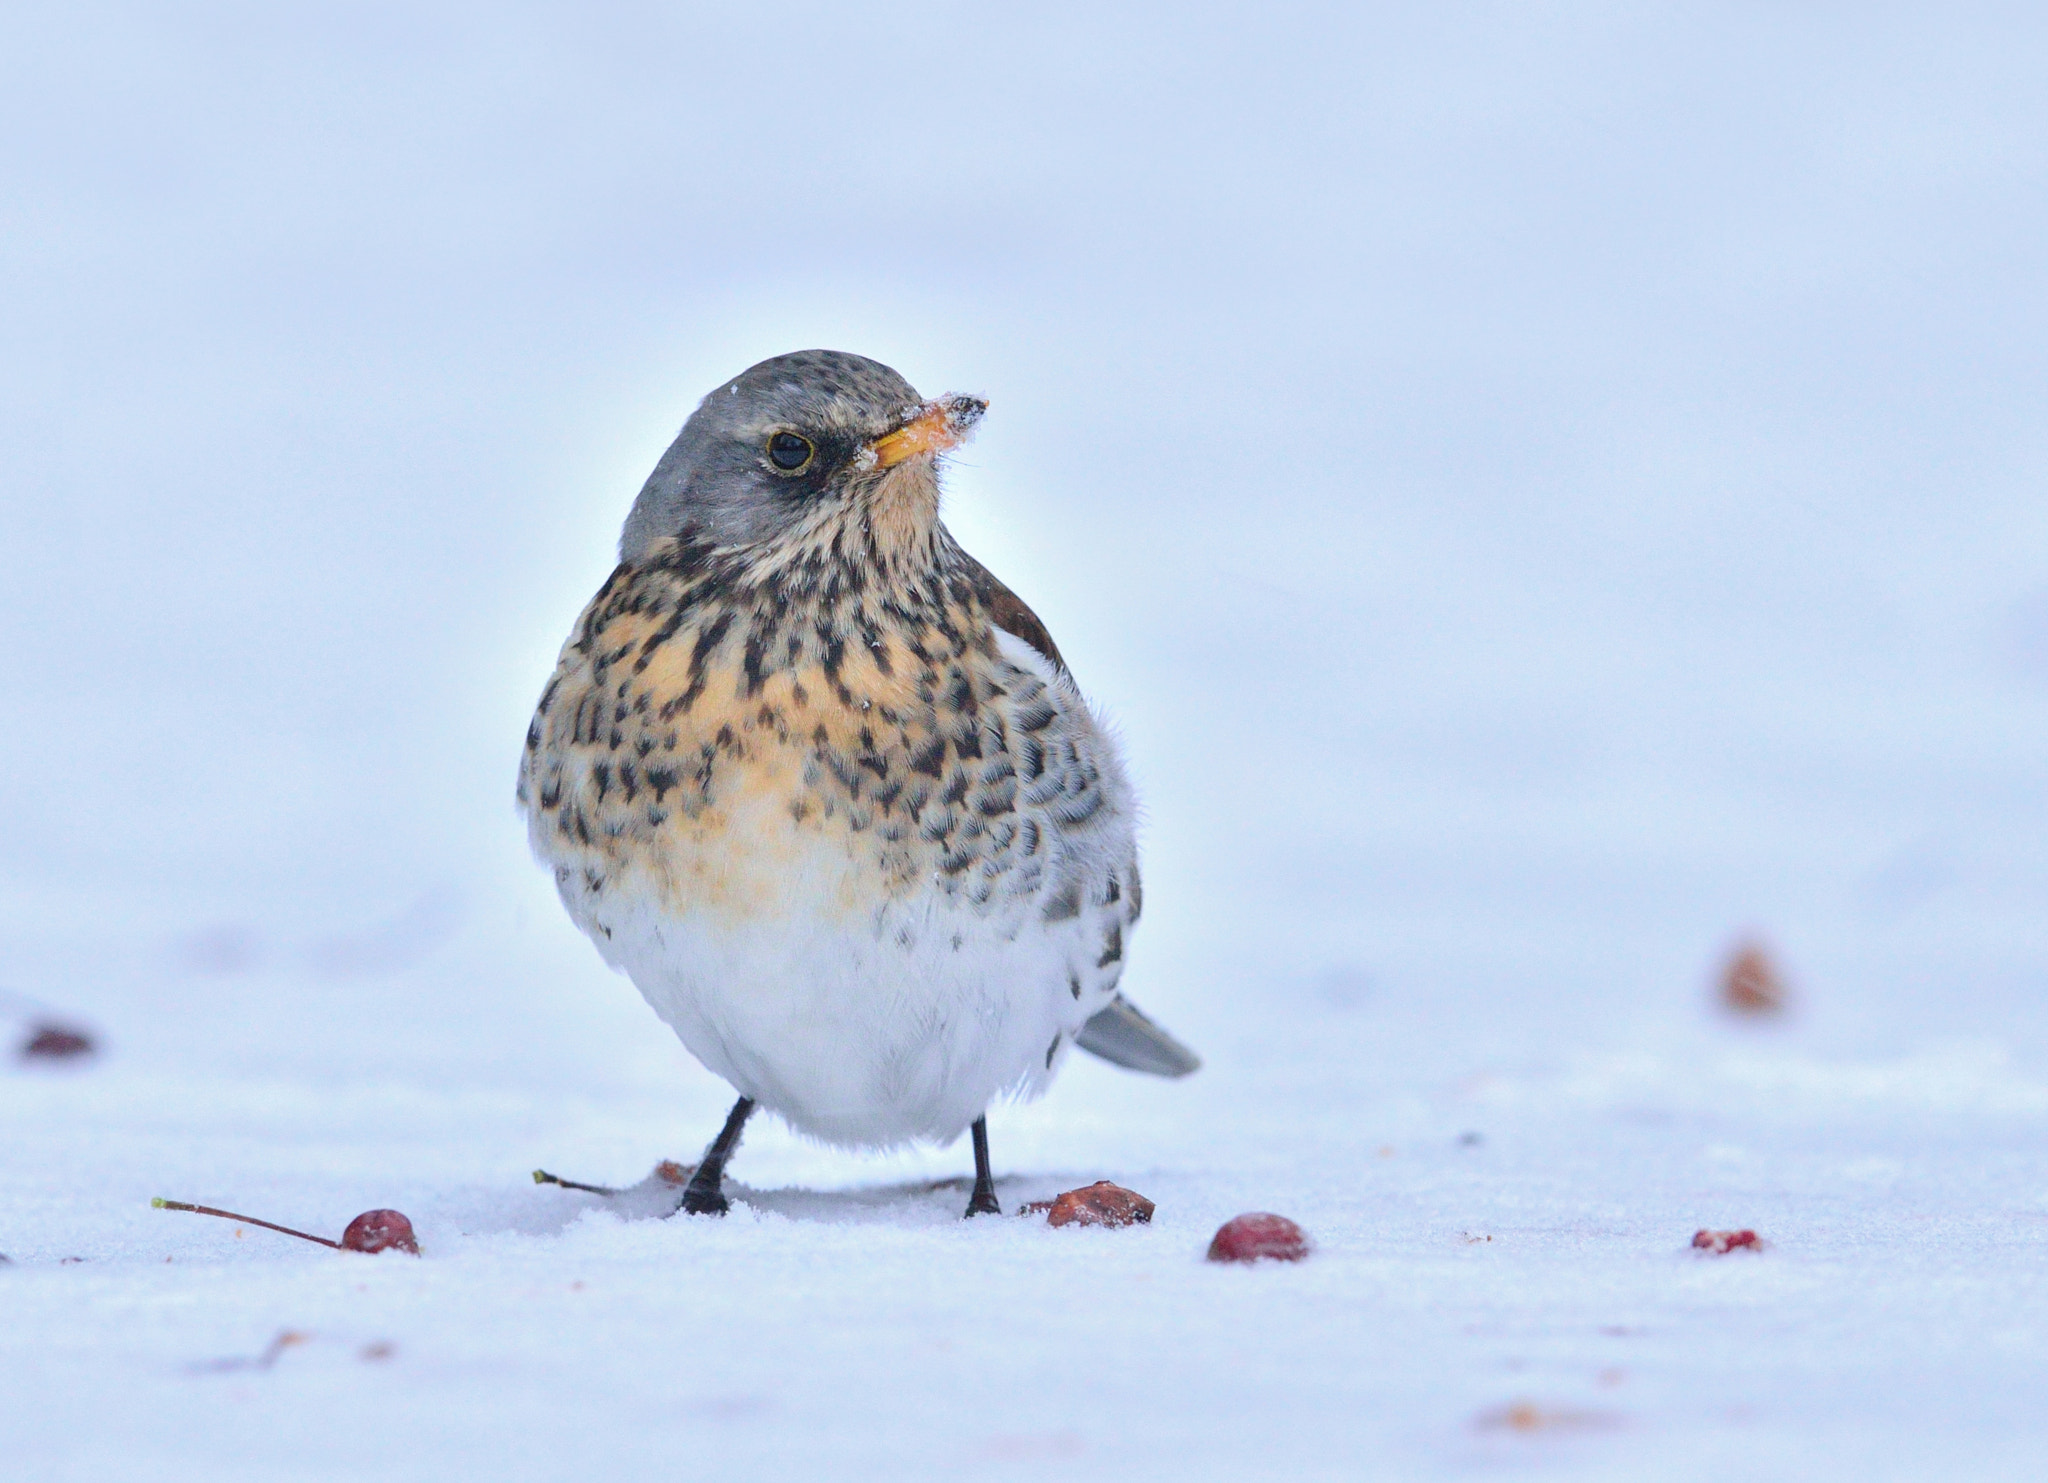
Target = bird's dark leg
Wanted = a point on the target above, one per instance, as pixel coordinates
(704, 1194)
(983, 1200)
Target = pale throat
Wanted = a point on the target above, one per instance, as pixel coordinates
(888, 520)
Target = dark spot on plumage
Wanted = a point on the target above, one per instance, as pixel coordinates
(930, 759)
(661, 779)
(1112, 893)
(1137, 893)
(586, 638)
(725, 741)
(956, 789)
(1065, 906)
(1051, 1051)
(960, 693)
(601, 667)
(601, 774)
(842, 769)
(1079, 811)
(935, 829)
(685, 556)
(532, 736)
(997, 801)
(799, 810)
(753, 663)
(551, 791)
(958, 942)
(657, 638)
(797, 694)
(1112, 946)
(709, 637)
(547, 696)
(875, 763)
(886, 795)
(1036, 715)
(1030, 836)
(1032, 755)
(1074, 984)
(967, 741)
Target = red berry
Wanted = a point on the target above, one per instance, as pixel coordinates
(1751, 983)
(1259, 1236)
(380, 1230)
(1100, 1204)
(1720, 1243)
(56, 1043)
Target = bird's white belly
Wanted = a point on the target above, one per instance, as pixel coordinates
(864, 1025)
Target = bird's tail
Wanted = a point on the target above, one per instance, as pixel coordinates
(1122, 1035)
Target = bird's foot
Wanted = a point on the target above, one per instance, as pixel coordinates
(982, 1202)
(704, 1201)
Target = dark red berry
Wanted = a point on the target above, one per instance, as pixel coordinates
(380, 1230)
(1099, 1204)
(1720, 1243)
(1751, 983)
(56, 1043)
(1259, 1236)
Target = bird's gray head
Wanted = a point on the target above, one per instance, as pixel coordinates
(793, 441)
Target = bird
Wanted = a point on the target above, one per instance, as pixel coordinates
(825, 789)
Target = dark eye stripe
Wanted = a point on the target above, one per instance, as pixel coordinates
(789, 452)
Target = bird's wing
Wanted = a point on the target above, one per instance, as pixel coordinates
(1120, 1034)
(1123, 1036)
(1009, 612)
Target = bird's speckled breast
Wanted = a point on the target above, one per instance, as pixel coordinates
(711, 730)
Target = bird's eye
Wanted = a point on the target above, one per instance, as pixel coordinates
(789, 452)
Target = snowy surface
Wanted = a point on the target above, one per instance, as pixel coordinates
(1544, 494)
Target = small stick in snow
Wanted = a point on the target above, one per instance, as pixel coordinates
(285, 1339)
(541, 1176)
(161, 1203)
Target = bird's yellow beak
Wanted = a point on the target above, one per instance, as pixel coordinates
(933, 428)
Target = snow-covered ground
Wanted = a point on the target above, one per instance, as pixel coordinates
(1545, 493)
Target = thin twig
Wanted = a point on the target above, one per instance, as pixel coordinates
(541, 1176)
(162, 1204)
